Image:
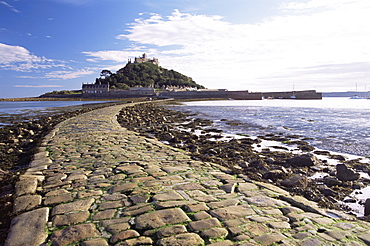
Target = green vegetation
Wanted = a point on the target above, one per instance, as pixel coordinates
(64, 92)
(145, 75)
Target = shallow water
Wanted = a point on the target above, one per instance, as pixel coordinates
(335, 124)
(26, 106)
(17, 111)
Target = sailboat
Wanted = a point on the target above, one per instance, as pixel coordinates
(356, 96)
(293, 96)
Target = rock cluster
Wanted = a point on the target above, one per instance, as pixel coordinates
(204, 143)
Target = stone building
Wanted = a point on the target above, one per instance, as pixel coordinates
(145, 58)
(103, 91)
(88, 89)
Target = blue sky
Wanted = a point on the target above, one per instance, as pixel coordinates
(256, 45)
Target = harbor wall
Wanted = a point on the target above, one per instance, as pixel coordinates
(222, 94)
(309, 94)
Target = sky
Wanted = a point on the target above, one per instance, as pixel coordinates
(255, 45)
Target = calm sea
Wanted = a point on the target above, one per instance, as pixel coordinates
(335, 124)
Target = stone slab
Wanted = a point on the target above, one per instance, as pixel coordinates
(28, 228)
(215, 233)
(62, 198)
(26, 186)
(189, 186)
(185, 239)
(74, 234)
(79, 205)
(118, 227)
(171, 230)
(224, 203)
(103, 215)
(124, 235)
(161, 218)
(95, 242)
(232, 212)
(167, 196)
(26, 203)
(70, 219)
(268, 239)
(204, 224)
(265, 201)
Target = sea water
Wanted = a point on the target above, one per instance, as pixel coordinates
(11, 111)
(335, 124)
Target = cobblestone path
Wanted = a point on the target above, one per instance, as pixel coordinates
(96, 183)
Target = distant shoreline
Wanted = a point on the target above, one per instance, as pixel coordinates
(23, 99)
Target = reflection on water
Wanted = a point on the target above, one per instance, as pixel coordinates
(336, 124)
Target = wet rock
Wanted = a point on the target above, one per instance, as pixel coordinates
(326, 190)
(346, 174)
(321, 152)
(275, 175)
(296, 180)
(306, 148)
(338, 157)
(350, 200)
(306, 160)
(331, 181)
(367, 207)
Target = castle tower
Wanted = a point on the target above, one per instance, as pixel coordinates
(145, 58)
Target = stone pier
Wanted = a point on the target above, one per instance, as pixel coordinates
(94, 183)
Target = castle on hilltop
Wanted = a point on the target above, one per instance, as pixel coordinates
(145, 58)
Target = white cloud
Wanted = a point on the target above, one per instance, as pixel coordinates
(218, 53)
(57, 75)
(18, 58)
(109, 55)
(69, 74)
(9, 6)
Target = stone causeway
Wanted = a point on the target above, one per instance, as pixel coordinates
(95, 183)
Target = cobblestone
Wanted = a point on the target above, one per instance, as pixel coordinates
(105, 185)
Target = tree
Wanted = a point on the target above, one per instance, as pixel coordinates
(105, 74)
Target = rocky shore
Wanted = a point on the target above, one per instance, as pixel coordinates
(278, 166)
(93, 182)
